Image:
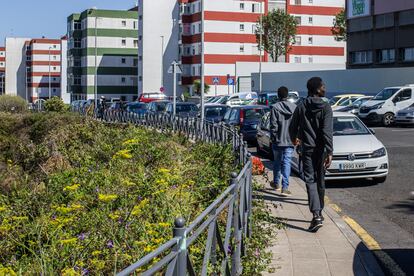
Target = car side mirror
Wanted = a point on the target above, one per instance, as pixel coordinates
(372, 131)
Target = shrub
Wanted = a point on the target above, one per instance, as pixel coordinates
(13, 104)
(55, 104)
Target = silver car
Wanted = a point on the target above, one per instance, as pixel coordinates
(405, 116)
(357, 152)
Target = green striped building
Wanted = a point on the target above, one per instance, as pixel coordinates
(105, 43)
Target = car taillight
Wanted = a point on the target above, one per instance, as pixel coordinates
(241, 116)
(267, 102)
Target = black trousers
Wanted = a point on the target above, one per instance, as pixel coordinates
(314, 176)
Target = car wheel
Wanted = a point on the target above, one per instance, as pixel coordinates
(388, 119)
(379, 180)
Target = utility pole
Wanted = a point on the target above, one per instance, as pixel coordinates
(260, 47)
(202, 60)
(162, 61)
(174, 67)
(96, 64)
(50, 76)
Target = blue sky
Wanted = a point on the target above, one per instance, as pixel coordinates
(37, 18)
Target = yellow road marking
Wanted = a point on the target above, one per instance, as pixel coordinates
(367, 238)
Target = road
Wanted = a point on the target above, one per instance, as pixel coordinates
(385, 211)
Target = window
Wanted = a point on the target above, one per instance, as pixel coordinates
(363, 57)
(298, 2)
(310, 40)
(54, 57)
(77, 62)
(123, 60)
(54, 79)
(242, 27)
(298, 40)
(199, 27)
(123, 23)
(123, 79)
(298, 20)
(77, 80)
(77, 43)
(135, 25)
(310, 59)
(298, 60)
(386, 56)
(403, 95)
(77, 25)
(408, 54)
(253, 7)
(135, 43)
(135, 62)
(54, 90)
(310, 1)
(241, 48)
(140, 17)
(310, 20)
(123, 42)
(242, 6)
(28, 58)
(140, 38)
(54, 46)
(140, 58)
(140, 78)
(54, 68)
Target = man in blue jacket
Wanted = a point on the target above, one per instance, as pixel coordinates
(312, 125)
(280, 117)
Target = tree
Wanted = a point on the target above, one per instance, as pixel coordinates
(197, 87)
(55, 104)
(278, 33)
(339, 27)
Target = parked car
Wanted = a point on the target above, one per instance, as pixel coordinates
(270, 98)
(354, 107)
(157, 107)
(243, 98)
(151, 97)
(219, 100)
(215, 112)
(357, 152)
(137, 108)
(386, 104)
(264, 141)
(246, 118)
(117, 106)
(182, 109)
(405, 116)
(344, 99)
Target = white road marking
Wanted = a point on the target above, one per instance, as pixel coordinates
(403, 130)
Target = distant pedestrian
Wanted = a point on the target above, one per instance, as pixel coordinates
(280, 118)
(101, 107)
(312, 124)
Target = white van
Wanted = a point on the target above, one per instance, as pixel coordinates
(385, 105)
(242, 98)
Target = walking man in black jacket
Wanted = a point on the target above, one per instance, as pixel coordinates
(312, 125)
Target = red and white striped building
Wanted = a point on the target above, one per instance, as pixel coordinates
(43, 60)
(2, 69)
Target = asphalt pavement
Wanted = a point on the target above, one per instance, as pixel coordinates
(385, 211)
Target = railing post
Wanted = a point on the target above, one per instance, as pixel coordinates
(181, 247)
(237, 234)
(250, 195)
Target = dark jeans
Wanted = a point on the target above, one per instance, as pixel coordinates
(314, 176)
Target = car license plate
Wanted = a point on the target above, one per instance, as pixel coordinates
(351, 166)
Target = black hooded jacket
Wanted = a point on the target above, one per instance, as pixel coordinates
(312, 123)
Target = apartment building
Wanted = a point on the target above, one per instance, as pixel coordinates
(2, 69)
(103, 43)
(314, 41)
(380, 34)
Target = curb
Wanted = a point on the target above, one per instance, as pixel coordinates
(366, 256)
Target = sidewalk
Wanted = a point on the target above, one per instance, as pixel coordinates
(334, 250)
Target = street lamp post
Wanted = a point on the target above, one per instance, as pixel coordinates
(50, 77)
(162, 61)
(202, 60)
(260, 47)
(96, 64)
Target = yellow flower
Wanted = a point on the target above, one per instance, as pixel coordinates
(131, 142)
(151, 232)
(107, 198)
(69, 241)
(148, 248)
(96, 253)
(64, 210)
(77, 207)
(158, 241)
(164, 170)
(127, 257)
(7, 271)
(125, 154)
(163, 224)
(128, 183)
(2, 208)
(114, 216)
(139, 243)
(71, 188)
(19, 218)
(70, 272)
(136, 211)
(98, 264)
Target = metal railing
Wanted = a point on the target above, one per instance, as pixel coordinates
(226, 220)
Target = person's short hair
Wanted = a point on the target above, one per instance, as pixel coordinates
(313, 85)
(282, 92)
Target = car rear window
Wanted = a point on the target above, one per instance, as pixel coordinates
(216, 111)
(186, 108)
(254, 113)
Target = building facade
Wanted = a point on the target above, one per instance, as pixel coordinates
(2, 69)
(314, 41)
(380, 33)
(103, 43)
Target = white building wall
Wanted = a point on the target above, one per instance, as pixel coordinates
(231, 6)
(211, 26)
(110, 23)
(110, 80)
(323, 3)
(46, 46)
(159, 18)
(108, 61)
(15, 66)
(66, 97)
(108, 42)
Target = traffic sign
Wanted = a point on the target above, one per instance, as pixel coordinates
(230, 81)
(216, 80)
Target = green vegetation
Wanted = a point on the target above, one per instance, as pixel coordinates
(12, 104)
(339, 28)
(55, 104)
(78, 196)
